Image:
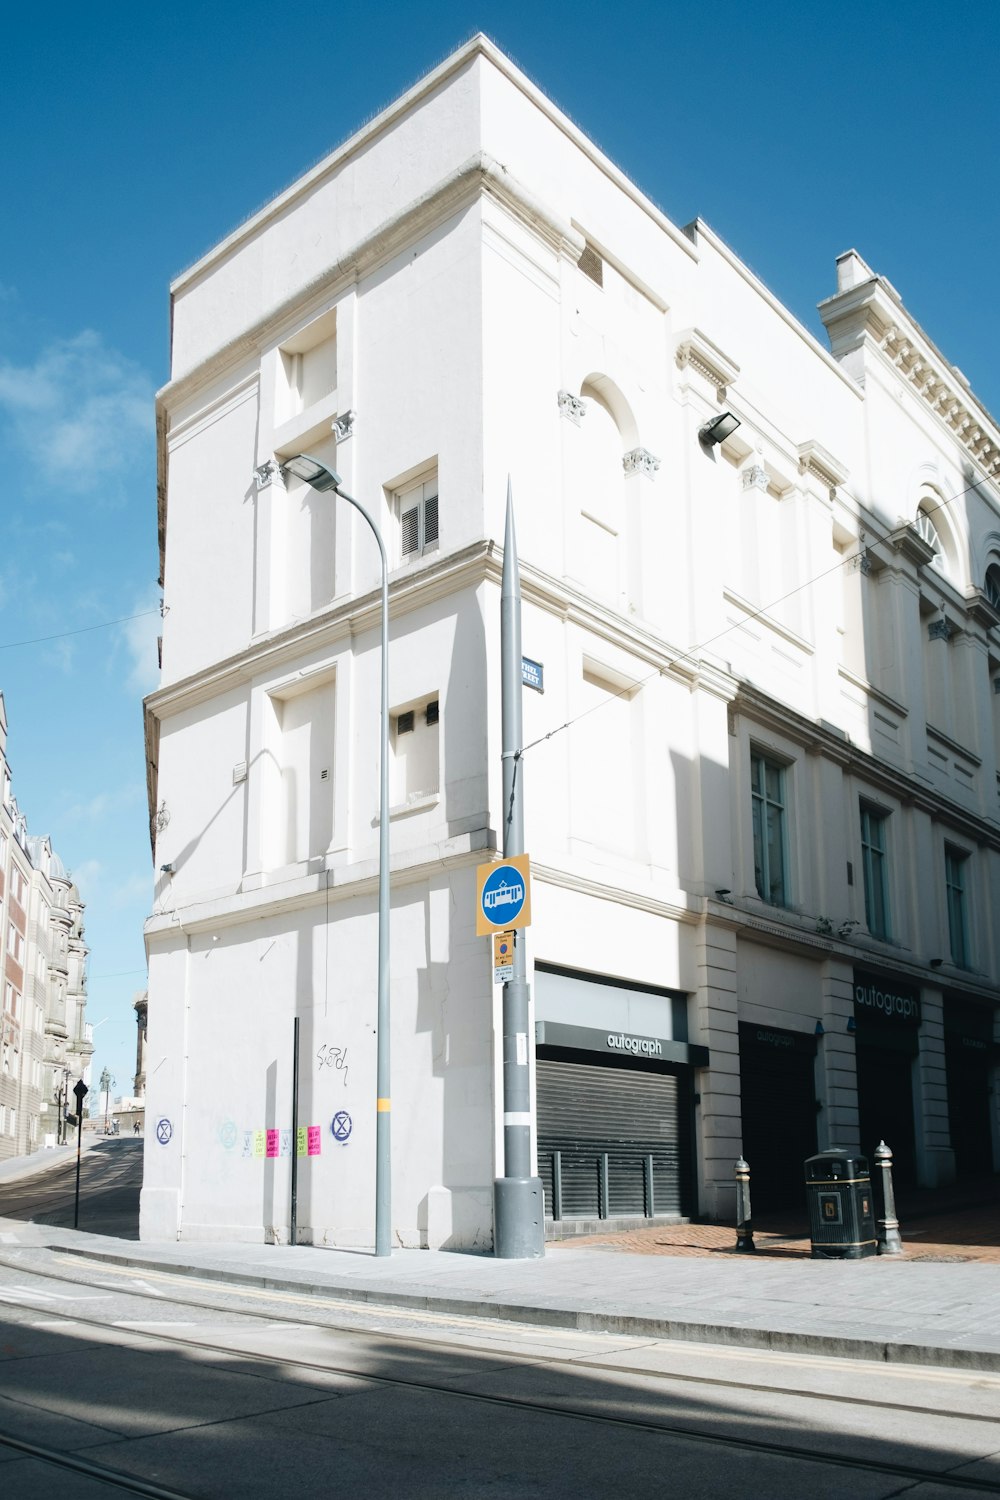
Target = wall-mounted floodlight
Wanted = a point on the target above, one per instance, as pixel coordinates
(718, 429)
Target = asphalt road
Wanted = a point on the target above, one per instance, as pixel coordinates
(115, 1381)
(110, 1180)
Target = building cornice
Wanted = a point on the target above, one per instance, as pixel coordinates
(871, 315)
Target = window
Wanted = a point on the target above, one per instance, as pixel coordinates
(418, 518)
(874, 863)
(15, 944)
(926, 528)
(415, 753)
(767, 795)
(991, 586)
(955, 864)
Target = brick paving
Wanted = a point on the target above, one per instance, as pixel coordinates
(942, 1227)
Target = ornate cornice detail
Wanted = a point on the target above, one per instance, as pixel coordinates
(571, 407)
(640, 461)
(944, 397)
(815, 460)
(697, 352)
(343, 426)
(907, 540)
(980, 609)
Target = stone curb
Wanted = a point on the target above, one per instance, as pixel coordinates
(777, 1341)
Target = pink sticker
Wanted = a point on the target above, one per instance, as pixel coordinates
(315, 1140)
(273, 1139)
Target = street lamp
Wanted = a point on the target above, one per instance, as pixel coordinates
(320, 477)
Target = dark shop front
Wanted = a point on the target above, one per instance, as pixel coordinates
(614, 1102)
(887, 1041)
(970, 1056)
(778, 1108)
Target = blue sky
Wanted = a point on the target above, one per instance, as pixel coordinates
(135, 137)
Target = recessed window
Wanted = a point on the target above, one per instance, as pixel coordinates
(956, 864)
(767, 797)
(417, 509)
(416, 771)
(875, 865)
(991, 585)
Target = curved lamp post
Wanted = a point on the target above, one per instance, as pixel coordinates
(320, 477)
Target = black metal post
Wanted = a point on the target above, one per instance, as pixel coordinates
(889, 1239)
(744, 1221)
(79, 1146)
(294, 1231)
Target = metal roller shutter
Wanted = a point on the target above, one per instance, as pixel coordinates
(611, 1138)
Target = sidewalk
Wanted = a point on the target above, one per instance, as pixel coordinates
(938, 1304)
(886, 1309)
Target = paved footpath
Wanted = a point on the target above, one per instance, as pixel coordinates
(881, 1308)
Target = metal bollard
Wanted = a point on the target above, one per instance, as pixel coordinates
(889, 1241)
(744, 1223)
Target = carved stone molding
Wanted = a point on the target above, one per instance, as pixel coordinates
(640, 461)
(940, 630)
(571, 407)
(265, 473)
(343, 426)
(981, 610)
(911, 544)
(945, 398)
(815, 460)
(756, 477)
(697, 352)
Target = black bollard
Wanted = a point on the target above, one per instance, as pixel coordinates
(889, 1241)
(744, 1223)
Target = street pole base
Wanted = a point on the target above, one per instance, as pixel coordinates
(518, 1218)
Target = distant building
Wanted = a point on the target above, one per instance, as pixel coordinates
(45, 1047)
(761, 589)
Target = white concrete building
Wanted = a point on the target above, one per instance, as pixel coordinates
(761, 780)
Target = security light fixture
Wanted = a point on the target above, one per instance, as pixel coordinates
(718, 429)
(820, 1029)
(852, 1024)
(166, 869)
(315, 474)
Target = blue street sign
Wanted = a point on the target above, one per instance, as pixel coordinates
(533, 674)
(503, 897)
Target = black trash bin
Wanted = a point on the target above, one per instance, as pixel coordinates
(841, 1213)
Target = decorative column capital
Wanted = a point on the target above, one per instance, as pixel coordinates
(640, 461)
(343, 426)
(756, 478)
(265, 473)
(571, 407)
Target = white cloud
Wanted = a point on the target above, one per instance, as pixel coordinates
(136, 890)
(102, 804)
(87, 877)
(81, 411)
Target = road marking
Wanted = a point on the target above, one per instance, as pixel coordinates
(149, 1323)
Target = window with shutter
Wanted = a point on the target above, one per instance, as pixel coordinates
(417, 507)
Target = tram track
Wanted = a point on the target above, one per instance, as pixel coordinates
(556, 1409)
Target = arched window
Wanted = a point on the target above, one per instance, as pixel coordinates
(991, 585)
(927, 529)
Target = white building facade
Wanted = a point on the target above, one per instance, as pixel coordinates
(761, 779)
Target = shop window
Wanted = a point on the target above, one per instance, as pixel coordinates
(416, 770)
(767, 797)
(417, 512)
(956, 864)
(874, 863)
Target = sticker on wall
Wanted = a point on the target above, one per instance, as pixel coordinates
(247, 1151)
(341, 1126)
(273, 1143)
(227, 1135)
(301, 1144)
(286, 1143)
(315, 1140)
(259, 1142)
(164, 1130)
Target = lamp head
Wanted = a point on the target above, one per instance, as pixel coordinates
(318, 475)
(718, 429)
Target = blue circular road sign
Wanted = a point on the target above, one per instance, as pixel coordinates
(504, 894)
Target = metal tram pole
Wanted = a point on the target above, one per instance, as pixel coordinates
(294, 1225)
(518, 1201)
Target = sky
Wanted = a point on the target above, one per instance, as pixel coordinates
(133, 138)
